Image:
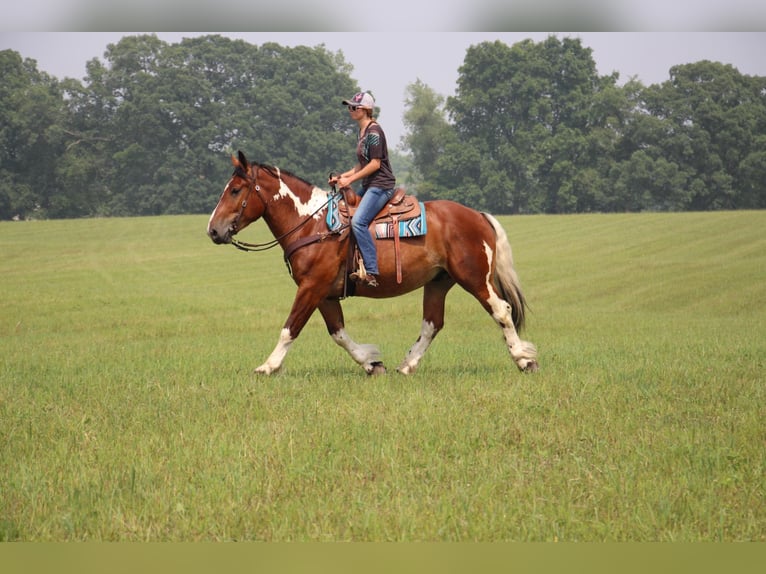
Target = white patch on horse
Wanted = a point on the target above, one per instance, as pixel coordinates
(316, 201)
(210, 221)
(501, 309)
(215, 210)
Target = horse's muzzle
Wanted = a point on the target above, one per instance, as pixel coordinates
(219, 238)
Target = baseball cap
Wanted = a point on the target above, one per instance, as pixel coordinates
(361, 99)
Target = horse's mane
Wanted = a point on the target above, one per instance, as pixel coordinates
(276, 172)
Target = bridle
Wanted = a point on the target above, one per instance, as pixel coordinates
(253, 185)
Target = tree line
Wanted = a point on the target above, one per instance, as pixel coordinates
(532, 128)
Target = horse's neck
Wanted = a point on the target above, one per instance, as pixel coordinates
(294, 202)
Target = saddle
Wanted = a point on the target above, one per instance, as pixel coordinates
(386, 224)
(400, 207)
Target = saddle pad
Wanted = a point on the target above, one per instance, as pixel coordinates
(384, 230)
(334, 222)
(407, 227)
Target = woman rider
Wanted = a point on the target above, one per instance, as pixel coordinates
(378, 181)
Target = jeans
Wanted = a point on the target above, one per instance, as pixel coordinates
(373, 200)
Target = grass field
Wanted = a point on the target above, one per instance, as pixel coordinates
(128, 410)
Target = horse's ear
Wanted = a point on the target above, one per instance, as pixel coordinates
(243, 160)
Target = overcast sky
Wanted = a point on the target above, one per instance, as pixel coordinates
(386, 62)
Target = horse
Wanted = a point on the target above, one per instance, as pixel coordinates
(461, 246)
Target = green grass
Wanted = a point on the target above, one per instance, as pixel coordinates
(128, 410)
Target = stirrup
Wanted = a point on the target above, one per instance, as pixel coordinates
(361, 272)
(366, 279)
(361, 276)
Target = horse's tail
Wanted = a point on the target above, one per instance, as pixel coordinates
(505, 278)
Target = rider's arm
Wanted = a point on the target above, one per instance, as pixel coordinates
(357, 172)
(347, 178)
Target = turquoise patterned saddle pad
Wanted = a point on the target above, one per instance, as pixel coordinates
(384, 227)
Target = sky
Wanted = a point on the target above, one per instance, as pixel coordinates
(387, 62)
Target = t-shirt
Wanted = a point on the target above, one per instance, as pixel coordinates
(372, 144)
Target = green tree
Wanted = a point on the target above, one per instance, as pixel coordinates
(713, 119)
(166, 116)
(498, 121)
(428, 135)
(752, 175)
(531, 111)
(31, 138)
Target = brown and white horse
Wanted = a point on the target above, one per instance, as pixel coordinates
(461, 246)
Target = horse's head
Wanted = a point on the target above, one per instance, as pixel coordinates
(242, 201)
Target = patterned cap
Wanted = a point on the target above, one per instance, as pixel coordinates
(362, 100)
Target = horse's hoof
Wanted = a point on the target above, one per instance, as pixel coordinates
(377, 369)
(531, 367)
(264, 370)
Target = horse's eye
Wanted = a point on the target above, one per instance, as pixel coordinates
(235, 190)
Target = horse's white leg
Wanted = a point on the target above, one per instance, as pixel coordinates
(524, 353)
(434, 295)
(306, 301)
(366, 355)
(476, 275)
(274, 362)
(416, 352)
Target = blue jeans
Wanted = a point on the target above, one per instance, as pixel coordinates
(373, 200)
